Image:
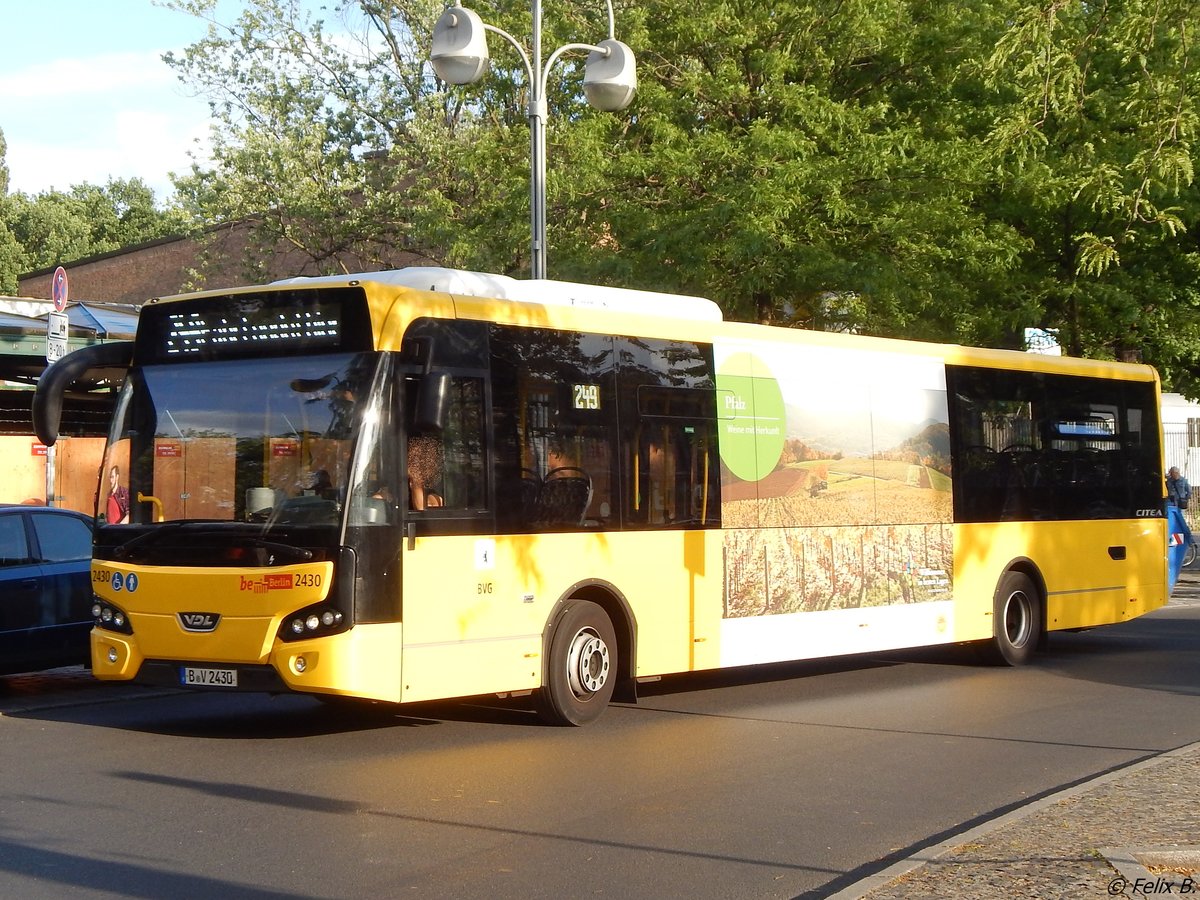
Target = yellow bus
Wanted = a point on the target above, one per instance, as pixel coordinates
(427, 484)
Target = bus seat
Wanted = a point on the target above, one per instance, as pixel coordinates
(531, 486)
(563, 497)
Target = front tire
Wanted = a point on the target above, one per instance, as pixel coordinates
(1017, 614)
(581, 671)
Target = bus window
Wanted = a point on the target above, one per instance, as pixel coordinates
(446, 471)
(554, 416)
(669, 457)
(374, 492)
(1033, 446)
(673, 474)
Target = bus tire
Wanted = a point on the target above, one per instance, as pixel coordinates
(581, 670)
(1017, 614)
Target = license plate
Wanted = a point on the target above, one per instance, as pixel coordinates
(194, 677)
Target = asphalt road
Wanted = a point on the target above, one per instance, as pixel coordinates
(775, 782)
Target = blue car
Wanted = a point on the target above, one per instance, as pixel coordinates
(45, 588)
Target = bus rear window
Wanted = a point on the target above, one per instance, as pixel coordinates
(1034, 446)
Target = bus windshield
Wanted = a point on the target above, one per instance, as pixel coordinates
(264, 441)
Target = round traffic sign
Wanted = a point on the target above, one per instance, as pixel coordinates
(58, 288)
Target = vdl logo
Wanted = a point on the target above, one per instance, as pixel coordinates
(199, 621)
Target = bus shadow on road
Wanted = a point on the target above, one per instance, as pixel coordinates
(73, 697)
(766, 673)
(1159, 652)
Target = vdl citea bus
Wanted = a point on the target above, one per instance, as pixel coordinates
(428, 484)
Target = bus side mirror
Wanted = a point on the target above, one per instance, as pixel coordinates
(53, 384)
(432, 397)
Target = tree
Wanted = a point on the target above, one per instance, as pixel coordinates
(1093, 130)
(313, 144)
(897, 167)
(3, 165)
(808, 161)
(56, 226)
(10, 250)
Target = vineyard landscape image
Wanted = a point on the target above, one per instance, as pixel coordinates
(847, 497)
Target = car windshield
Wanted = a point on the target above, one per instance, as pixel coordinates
(264, 441)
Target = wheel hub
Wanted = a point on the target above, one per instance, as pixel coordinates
(1017, 619)
(587, 664)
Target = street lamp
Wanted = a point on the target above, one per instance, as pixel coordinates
(460, 56)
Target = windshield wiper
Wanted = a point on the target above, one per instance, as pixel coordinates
(123, 550)
(299, 553)
(207, 531)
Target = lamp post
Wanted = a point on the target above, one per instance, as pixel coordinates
(460, 56)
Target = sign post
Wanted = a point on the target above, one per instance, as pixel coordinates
(56, 336)
(57, 321)
(57, 329)
(58, 289)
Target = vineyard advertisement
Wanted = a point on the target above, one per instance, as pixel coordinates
(836, 491)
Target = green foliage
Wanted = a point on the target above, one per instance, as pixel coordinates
(904, 167)
(313, 145)
(10, 250)
(3, 165)
(10, 257)
(1094, 122)
(56, 227)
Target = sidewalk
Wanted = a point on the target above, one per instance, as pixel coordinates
(1134, 832)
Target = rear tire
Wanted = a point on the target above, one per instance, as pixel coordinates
(1189, 553)
(581, 670)
(1017, 615)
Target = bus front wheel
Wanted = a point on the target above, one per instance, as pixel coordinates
(1017, 620)
(582, 668)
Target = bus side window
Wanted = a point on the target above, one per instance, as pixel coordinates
(555, 430)
(673, 474)
(446, 470)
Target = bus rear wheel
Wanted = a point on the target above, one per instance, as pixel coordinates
(582, 668)
(1017, 620)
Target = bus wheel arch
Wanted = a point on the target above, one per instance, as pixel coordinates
(588, 649)
(1019, 615)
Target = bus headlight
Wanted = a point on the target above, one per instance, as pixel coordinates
(109, 617)
(319, 620)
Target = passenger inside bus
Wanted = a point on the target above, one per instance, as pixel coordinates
(321, 485)
(425, 455)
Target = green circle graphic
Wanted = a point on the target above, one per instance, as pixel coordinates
(751, 417)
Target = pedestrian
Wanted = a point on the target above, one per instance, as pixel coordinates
(1179, 492)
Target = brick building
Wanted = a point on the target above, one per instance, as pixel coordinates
(127, 277)
(169, 265)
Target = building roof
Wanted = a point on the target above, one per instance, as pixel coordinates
(23, 326)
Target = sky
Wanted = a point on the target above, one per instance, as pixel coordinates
(85, 95)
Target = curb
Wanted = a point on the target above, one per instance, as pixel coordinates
(865, 886)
